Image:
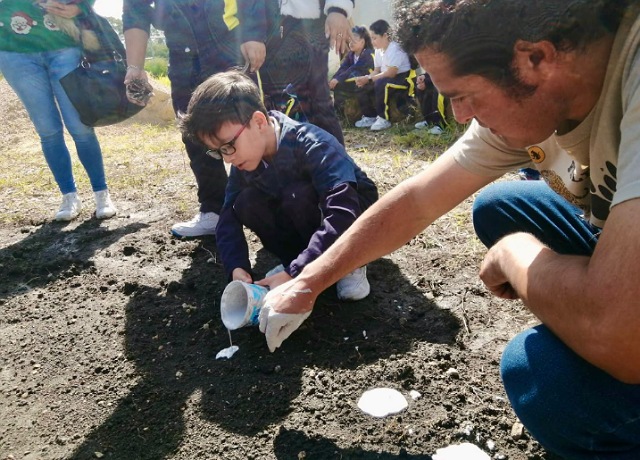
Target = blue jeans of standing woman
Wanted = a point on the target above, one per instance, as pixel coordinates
(570, 406)
(35, 77)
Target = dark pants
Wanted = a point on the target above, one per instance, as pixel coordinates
(388, 89)
(431, 110)
(186, 72)
(365, 96)
(571, 407)
(300, 58)
(285, 225)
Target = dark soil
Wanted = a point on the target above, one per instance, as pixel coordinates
(109, 332)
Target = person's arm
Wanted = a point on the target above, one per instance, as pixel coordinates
(230, 240)
(232, 246)
(136, 45)
(591, 303)
(252, 15)
(377, 75)
(136, 20)
(388, 224)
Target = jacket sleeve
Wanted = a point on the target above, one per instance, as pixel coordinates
(254, 19)
(137, 14)
(343, 71)
(230, 241)
(232, 246)
(340, 208)
(346, 5)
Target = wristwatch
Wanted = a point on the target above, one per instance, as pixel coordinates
(370, 77)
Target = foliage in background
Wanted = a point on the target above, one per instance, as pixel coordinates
(156, 67)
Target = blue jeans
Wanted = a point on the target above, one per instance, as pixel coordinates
(571, 407)
(35, 77)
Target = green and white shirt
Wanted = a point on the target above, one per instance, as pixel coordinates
(26, 28)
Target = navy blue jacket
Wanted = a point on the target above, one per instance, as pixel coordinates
(228, 23)
(305, 153)
(349, 68)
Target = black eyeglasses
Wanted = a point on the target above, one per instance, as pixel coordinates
(228, 148)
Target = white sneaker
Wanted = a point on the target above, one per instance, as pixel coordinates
(436, 130)
(380, 124)
(204, 223)
(104, 206)
(70, 207)
(365, 122)
(421, 125)
(354, 286)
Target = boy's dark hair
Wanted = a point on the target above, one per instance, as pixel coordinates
(479, 36)
(379, 27)
(224, 97)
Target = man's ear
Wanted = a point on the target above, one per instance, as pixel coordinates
(534, 60)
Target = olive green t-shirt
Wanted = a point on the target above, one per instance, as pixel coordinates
(596, 165)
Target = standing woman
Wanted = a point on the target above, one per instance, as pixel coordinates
(357, 63)
(34, 55)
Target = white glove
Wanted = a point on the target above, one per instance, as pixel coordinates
(277, 327)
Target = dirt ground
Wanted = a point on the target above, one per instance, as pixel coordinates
(109, 332)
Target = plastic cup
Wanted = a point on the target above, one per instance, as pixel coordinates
(241, 303)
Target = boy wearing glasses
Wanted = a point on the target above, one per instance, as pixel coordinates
(293, 184)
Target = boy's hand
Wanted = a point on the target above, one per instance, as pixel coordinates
(274, 281)
(240, 274)
(285, 309)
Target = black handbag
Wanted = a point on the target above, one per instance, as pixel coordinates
(96, 87)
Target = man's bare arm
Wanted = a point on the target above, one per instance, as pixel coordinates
(391, 222)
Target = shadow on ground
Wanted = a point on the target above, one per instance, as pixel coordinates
(173, 333)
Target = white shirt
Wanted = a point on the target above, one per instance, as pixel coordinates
(310, 9)
(393, 56)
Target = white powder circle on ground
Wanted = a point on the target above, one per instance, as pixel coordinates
(381, 402)
(466, 451)
(227, 352)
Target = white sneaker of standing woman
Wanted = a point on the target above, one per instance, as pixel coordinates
(104, 206)
(70, 207)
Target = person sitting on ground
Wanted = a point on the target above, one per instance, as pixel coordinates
(293, 184)
(562, 89)
(357, 63)
(431, 106)
(34, 55)
(392, 68)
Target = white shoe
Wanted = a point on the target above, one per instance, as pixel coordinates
(354, 286)
(365, 122)
(380, 124)
(421, 125)
(70, 207)
(104, 206)
(204, 223)
(436, 130)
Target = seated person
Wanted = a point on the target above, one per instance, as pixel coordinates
(431, 106)
(357, 63)
(391, 72)
(293, 184)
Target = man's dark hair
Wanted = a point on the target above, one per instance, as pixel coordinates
(380, 27)
(478, 36)
(224, 97)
